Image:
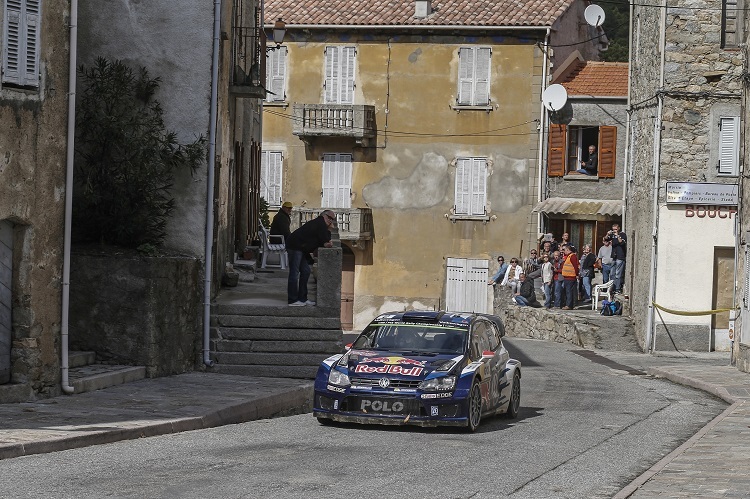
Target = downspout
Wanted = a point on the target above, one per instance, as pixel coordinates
(210, 188)
(543, 130)
(650, 337)
(64, 383)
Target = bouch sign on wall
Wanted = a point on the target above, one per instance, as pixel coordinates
(702, 194)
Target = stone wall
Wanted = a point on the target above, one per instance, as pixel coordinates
(137, 310)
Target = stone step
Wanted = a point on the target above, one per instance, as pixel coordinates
(279, 322)
(277, 346)
(281, 310)
(271, 359)
(79, 359)
(272, 334)
(98, 376)
(268, 371)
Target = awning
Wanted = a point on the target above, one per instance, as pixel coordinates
(573, 206)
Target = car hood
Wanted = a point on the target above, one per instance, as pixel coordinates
(370, 363)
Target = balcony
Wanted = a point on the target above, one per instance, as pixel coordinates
(335, 120)
(248, 52)
(354, 224)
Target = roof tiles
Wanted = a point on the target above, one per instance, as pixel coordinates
(401, 12)
(601, 79)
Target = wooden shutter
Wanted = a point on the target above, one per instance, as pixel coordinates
(329, 181)
(482, 77)
(729, 23)
(478, 186)
(607, 151)
(31, 55)
(729, 148)
(344, 181)
(466, 285)
(21, 42)
(463, 186)
(332, 66)
(556, 151)
(347, 75)
(465, 76)
(275, 167)
(276, 74)
(12, 42)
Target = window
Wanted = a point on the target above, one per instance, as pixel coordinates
(276, 74)
(474, 76)
(466, 285)
(339, 80)
(731, 23)
(270, 177)
(337, 181)
(568, 147)
(21, 19)
(471, 187)
(729, 146)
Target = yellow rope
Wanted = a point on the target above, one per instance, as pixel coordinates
(684, 312)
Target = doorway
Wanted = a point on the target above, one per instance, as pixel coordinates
(347, 288)
(722, 297)
(6, 275)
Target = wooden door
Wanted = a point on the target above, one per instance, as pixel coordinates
(347, 289)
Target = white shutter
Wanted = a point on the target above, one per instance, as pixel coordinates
(478, 186)
(466, 285)
(264, 175)
(344, 183)
(274, 170)
(729, 148)
(482, 77)
(463, 186)
(747, 281)
(347, 75)
(329, 181)
(31, 59)
(465, 75)
(455, 285)
(276, 74)
(12, 42)
(331, 94)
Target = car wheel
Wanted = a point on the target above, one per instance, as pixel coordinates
(515, 397)
(326, 422)
(475, 407)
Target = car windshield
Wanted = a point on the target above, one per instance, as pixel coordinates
(413, 337)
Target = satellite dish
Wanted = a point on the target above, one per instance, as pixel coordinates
(594, 15)
(554, 97)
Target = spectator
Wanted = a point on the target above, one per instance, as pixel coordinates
(604, 257)
(526, 296)
(511, 276)
(282, 220)
(587, 271)
(559, 291)
(569, 273)
(302, 242)
(547, 282)
(500, 274)
(589, 167)
(619, 253)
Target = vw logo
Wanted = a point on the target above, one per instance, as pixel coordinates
(384, 382)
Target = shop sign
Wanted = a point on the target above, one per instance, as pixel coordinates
(702, 194)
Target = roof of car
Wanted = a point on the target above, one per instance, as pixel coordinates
(435, 317)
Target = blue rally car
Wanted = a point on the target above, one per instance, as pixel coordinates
(422, 368)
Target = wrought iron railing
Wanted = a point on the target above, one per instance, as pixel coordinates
(248, 47)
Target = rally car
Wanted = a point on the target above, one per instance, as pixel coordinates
(422, 368)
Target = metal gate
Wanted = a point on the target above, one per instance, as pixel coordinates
(6, 273)
(466, 285)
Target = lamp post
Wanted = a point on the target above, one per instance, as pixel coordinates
(279, 31)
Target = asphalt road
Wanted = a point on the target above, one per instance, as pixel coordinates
(586, 429)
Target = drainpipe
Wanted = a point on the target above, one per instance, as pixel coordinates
(65, 384)
(650, 337)
(210, 188)
(543, 134)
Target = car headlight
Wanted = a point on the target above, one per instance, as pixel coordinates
(443, 384)
(338, 378)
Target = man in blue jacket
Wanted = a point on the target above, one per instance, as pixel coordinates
(302, 242)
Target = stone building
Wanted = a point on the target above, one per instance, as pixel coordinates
(421, 122)
(586, 206)
(686, 74)
(33, 120)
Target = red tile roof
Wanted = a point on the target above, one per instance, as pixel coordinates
(602, 79)
(401, 12)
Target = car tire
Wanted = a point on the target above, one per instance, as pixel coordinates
(475, 407)
(515, 397)
(326, 422)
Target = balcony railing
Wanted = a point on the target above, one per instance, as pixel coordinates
(335, 120)
(248, 52)
(354, 224)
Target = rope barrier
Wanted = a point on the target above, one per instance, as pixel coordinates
(685, 312)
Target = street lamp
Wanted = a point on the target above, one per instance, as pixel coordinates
(279, 31)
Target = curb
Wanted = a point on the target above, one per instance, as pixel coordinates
(709, 388)
(294, 401)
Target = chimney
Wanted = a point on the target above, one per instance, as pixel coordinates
(422, 8)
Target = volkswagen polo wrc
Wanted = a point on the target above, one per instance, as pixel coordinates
(423, 368)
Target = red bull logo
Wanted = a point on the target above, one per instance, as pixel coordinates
(388, 369)
(394, 361)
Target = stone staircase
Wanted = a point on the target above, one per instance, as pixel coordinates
(273, 341)
(85, 375)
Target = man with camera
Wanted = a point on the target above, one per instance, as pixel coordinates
(619, 253)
